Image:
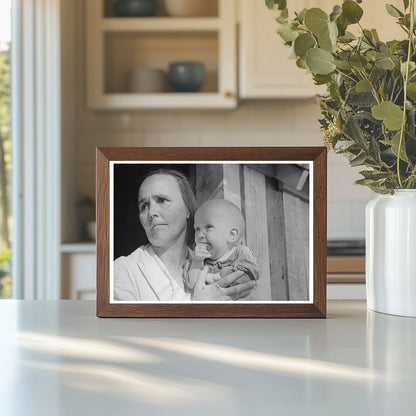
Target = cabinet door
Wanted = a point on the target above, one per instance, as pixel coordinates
(266, 71)
(78, 276)
(265, 68)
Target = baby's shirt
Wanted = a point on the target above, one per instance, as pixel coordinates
(242, 258)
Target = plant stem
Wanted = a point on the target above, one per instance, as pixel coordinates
(346, 75)
(406, 79)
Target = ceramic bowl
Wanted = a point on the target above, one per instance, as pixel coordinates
(186, 76)
(147, 80)
(191, 8)
(135, 8)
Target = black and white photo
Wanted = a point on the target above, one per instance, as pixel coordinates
(210, 232)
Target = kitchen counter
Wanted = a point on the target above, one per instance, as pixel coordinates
(57, 358)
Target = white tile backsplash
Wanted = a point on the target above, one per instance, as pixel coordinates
(257, 123)
(346, 219)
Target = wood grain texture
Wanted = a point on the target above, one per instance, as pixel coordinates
(103, 231)
(277, 243)
(297, 247)
(317, 309)
(319, 229)
(257, 234)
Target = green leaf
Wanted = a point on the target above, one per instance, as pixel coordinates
(351, 11)
(342, 25)
(391, 114)
(303, 43)
(333, 32)
(365, 182)
(375, 35)
(319, 61)
(358, 61)
(358, 160)
(374, 174)
(393, 11)
(394, 143)
(301, 15)
(354, 132)
(363, 86)
(412, 67)
(384, 62)
(344, 65)
(301, 63)
(321, 79)
(276, 4)
(343, 145)
(374, 150)
(281, 19)
(368, 36)
(316, 20)
(336, 12)
(287, 33)
(362, 99)
(325, 42)
(411, 90)
(347, 37)
(406, 4)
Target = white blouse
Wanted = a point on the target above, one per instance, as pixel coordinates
(141, 276)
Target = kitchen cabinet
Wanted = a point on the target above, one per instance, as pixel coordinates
(265, 69)
(118, 45)
(78, 262)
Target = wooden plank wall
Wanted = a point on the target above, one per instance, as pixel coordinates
(277, 242)
(297, 242)
(277, 226)
(208, 182)
(255, 210)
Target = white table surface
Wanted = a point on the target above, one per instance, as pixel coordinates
(57, 358)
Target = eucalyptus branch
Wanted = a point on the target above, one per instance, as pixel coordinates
(346, 75)
(364, 75)
(392, 91)
(406, 79)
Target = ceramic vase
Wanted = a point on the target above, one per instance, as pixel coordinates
(391, 253)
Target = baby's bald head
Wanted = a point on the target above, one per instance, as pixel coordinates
(223, 212)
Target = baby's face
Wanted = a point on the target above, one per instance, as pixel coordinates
(213, 231)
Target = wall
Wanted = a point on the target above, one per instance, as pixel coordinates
(253, 123)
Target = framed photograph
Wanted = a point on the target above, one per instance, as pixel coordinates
(211, 232)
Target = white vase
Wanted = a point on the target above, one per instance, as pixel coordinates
(391, 253)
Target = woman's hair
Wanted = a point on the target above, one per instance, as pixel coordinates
(187, 193)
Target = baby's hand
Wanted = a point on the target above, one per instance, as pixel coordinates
(201, 252)
(212, 278)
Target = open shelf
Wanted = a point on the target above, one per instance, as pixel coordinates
(118, 45)
(160, 24)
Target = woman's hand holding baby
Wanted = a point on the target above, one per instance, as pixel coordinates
(221, 290)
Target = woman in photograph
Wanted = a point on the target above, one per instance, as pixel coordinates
(156, 271)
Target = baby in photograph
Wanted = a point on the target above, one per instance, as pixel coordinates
(219, 226)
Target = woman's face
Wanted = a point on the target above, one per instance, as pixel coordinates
(162, 211)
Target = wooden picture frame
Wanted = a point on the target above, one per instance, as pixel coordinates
(281, 192)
